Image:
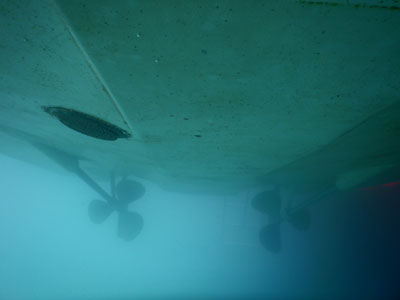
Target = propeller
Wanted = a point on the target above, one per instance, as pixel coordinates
(126, 191)
(270, 204)
(130, 224)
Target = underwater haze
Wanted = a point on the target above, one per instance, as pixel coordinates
(191, 246)
(199, 149)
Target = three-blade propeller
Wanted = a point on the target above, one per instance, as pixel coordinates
(130, 223)
(125, 192)
(270, 204)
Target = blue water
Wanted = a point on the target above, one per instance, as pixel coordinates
(192, 246)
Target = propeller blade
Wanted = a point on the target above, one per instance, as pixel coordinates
(99, 211)
(130, 224)
(270, 238)
(268, 202)
(301, 220)
(128, 191)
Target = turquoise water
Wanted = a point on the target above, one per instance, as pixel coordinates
(191, 246)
